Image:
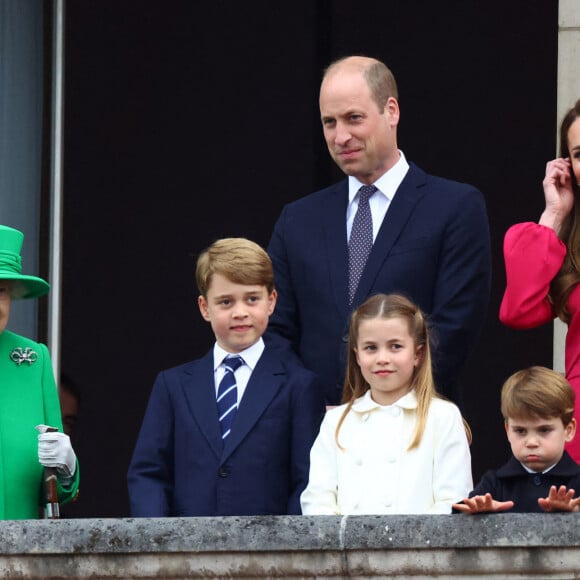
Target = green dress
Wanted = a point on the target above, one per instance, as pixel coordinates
(28, 397)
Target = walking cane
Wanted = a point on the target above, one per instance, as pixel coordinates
(52, 511)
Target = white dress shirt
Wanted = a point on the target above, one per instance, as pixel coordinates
(387, 185)
(251, 356)
(374, 473)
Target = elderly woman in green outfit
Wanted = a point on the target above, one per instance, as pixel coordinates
(28, 402)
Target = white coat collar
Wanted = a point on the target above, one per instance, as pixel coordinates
(365, 404)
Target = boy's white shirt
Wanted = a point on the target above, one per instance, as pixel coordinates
(375, 474)
(251, 356)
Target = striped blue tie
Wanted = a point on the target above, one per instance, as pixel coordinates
(227, 396)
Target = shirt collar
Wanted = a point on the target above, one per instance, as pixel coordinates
(365, 403)
(387, 184)
(251, 355)
(530, 471)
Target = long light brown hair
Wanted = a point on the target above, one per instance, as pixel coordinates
(569, 274)
(391, 306)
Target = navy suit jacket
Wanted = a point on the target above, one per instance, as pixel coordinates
(180, 467)
(433, 246)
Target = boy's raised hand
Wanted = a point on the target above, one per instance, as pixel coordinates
(560, 500)
(481, 504)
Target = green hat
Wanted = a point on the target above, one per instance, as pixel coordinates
(11, 266)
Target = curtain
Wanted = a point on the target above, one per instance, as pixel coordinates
(21, 110)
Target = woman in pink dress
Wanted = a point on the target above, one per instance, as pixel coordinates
(543, 260)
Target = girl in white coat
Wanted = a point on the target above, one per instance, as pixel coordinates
(394, 446)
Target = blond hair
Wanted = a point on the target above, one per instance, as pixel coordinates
(239, 260)
(537, 392)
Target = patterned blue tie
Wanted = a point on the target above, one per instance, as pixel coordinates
(361, 239)
(227, 395)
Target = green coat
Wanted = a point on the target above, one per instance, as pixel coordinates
(28, 397)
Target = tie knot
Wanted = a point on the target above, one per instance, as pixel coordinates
(365, 192)
(233, 363)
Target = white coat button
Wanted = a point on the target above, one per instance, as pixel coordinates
(365, 417)
(395, 411)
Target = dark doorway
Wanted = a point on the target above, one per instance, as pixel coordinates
(187, 121)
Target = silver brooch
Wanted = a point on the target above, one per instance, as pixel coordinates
(19, 356)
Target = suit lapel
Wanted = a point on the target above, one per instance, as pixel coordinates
(199, 390)
(264, 384)
(409, 193)
(333, 222)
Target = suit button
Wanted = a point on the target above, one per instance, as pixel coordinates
(223, 472)
(345, 338)
(537, 480)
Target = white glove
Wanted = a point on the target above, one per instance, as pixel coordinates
(55, 450)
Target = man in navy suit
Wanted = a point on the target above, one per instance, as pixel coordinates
(430, 237)
(251, 457)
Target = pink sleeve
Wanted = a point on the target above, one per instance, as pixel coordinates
(533, 256)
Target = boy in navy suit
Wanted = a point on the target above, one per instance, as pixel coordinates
(537, 405)
(230, 433)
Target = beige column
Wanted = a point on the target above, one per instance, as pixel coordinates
(568, 94)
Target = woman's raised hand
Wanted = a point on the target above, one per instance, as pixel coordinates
(558, 193)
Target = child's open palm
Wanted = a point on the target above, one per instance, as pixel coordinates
(560, 500)
(482, 503)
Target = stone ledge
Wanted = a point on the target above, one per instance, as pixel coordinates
(457, 546)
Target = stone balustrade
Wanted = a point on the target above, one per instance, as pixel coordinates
(456, 546)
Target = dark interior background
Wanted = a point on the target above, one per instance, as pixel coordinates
(187, 121)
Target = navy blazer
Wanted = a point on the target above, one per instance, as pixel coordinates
(433, 246)
(511, 482)
(180, 467)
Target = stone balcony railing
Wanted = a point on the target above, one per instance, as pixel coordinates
(456, 546)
